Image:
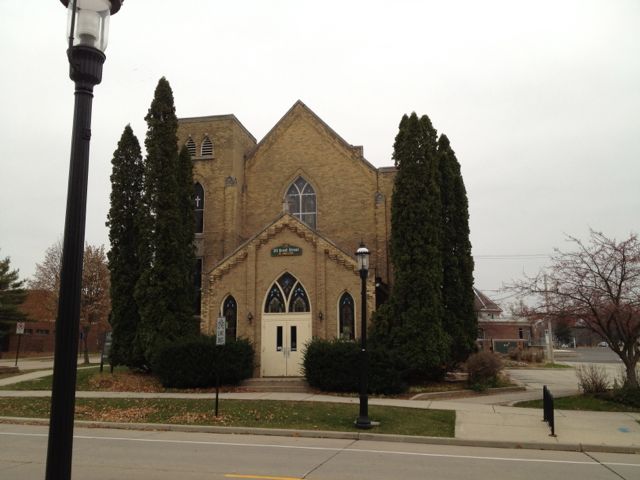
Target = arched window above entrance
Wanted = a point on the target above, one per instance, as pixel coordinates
(301, 201)
(299, 301)
(346, 313)
(287, 295)
(230, 313)
(275, 302)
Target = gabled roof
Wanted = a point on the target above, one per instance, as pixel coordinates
(356, 151)
(482, 303)
(283, 220)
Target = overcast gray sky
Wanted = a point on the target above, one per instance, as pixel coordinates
(541, 102)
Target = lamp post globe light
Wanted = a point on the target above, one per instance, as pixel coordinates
(362, 254)
(87, 28)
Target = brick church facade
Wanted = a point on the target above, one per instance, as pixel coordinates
(277, 225)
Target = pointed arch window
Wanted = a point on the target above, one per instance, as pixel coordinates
(206, 150)
(275, 301)
(301, 200)
(347, 317)
(230, 313)
(197, 283)
(198, 206)
(299, 301)
(191, 147)
(287, 295)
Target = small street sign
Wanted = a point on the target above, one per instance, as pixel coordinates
(20, 328)
(221, 326)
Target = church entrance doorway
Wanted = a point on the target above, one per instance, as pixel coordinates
(286, 328)
(283, 340)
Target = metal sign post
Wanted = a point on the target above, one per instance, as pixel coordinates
(221, 330)
(106, 351)
(19, 333)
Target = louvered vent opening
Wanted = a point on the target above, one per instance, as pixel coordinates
(191, 147)
(207, 147)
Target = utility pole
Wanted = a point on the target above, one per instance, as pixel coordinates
(550, 335)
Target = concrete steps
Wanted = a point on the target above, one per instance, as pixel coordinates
(275, 384)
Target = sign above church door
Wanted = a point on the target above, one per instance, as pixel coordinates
(286, 251)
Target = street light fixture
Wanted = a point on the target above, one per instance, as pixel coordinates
(88, 27)
(362, 254)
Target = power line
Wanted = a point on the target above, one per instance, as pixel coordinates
(512, 256)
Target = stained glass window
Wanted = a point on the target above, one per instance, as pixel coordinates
(299, 301)
(275, 302)
(286, 282)
(198, 205)
(347, 321)
(230, 313)
(287, 292)
(301, 200)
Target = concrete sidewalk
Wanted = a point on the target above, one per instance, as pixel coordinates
(5, 382)
(477, 424)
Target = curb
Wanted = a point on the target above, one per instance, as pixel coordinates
(376, 437)
(466, 393)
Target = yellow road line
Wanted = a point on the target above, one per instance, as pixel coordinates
(260, 477)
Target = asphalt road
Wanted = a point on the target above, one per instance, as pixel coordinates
(588, 355)
(101, 454)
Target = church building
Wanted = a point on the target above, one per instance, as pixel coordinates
(278, 223)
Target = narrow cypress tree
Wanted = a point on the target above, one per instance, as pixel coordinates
(187, 218)
(415, 323)
(123, 221)
(457, 287)
(165, 290)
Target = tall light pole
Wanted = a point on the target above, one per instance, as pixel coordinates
(362, 254)
(88, 26)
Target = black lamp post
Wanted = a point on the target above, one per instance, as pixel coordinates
(88, 27)
(362, 254)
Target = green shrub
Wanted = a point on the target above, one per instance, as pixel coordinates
(333, 366)
(483, 369)
(625, 395)
(193, 362)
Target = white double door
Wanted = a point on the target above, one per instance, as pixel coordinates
(284, 336)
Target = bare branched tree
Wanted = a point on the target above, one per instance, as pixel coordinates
(47, 277)
(95, 302)
(598, 283)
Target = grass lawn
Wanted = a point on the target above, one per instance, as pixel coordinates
(587, 402)
(245, 413)
(90, 379)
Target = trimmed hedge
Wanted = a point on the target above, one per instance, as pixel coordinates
(193, 363)
(333, 366)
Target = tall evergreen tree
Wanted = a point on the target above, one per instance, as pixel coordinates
(415, 312)
(165, 290)
(457, 286)
(124, 256)
(12, 295)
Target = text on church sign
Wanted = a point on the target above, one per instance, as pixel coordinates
(286, 251)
